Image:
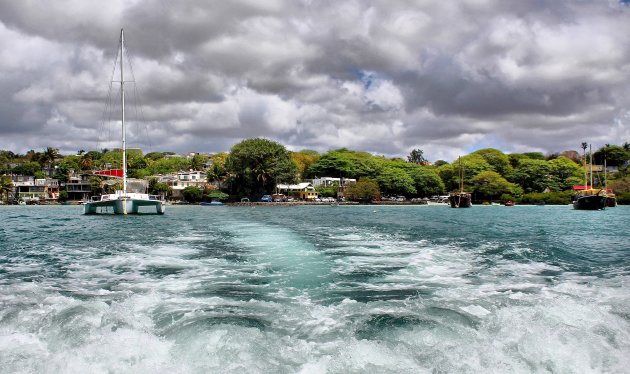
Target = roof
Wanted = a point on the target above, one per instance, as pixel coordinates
(299, 186)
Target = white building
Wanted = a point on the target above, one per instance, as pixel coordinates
(330, 181)
(303, 191)
(340, 183)
(184, 179)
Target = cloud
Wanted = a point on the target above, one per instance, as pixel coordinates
(445, 77)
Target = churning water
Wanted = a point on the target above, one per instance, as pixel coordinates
(354, 289)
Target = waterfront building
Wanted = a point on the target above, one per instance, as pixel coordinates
(340, 183)
(302, 191)
(183, 179)
(27, 188)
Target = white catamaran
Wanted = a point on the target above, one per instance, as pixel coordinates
(123, 202)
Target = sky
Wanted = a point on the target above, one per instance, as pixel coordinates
(386, 77)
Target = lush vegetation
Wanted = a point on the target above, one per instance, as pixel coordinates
(253, 167)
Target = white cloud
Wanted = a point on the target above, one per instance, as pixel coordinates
(377, 76)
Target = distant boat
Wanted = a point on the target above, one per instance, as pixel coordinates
(460, 199)
(122, 201)
(587, 197)
(212, 203)
(509, 203)
(590, 199)
(439, 200)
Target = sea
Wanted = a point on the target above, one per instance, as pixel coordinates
(315, 289)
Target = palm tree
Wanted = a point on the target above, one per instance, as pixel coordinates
(50, 155)
(6, 186)
(86, 162)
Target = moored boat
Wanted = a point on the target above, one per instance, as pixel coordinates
(122, 201)
(460, 199)
(438, 200)
(212, 203)
(590, 199)
(587, 197)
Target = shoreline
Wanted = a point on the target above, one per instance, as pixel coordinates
(307, 203)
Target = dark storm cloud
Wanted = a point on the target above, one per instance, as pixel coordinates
(372, 75)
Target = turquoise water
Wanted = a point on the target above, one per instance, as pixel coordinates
(349, 289)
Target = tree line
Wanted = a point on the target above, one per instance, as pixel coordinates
(254, 167)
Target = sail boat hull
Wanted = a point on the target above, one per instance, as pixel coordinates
(591, 202)
(460, 200)
(118, 204)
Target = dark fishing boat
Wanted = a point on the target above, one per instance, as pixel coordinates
(587, 197)
(460, 199)
(590, 199)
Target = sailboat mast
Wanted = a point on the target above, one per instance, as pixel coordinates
(584, 164)
(122, 105)
(461, 176)
(605, 175)
(590, 151)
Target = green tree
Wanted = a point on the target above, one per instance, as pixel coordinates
(613, 154)
(621, 185)
(564, 173)
(534, 155)
(396, 181)
(50, 155)
(216, 195)
(198, 162)
(96, 184)
(365, 189)
(62, 172)
(87, 162)
(28, 168)
(426, 181)
(515, 158)
(472, 165)
(304, 160)
(334, 163)
(158, 188)
(439, 163)
(218, 172)
(330, 191)
(532, 175)
(6, 186)
(163, 189)
(499, 161)
(417, 157)
(152, 183)
(257, 165)
(490, 185)
(192, 194)
(348, 164)
(73, 162)
(168, 165)
(154, 156)
(63, 196)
